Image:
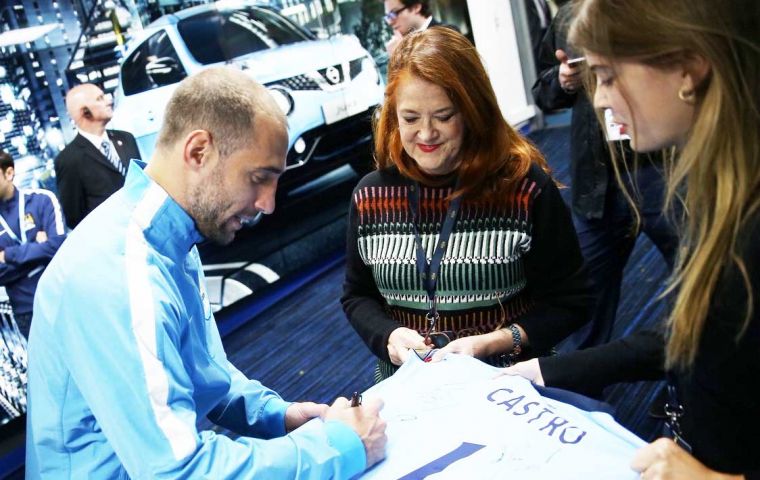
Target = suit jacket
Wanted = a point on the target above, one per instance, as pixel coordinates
(436, 23)
(590, 164)
(539, 17)
(85, 177)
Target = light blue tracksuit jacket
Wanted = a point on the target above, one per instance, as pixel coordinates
(125, 357)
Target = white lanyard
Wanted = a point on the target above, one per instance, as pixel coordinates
(7, 227)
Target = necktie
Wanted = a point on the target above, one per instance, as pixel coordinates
(112, 157)
(543, 13)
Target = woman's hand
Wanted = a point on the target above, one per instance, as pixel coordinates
(529, 369)
(663, 459)
(478, 346)
(401, 341)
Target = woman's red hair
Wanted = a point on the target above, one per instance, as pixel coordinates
(494, 157)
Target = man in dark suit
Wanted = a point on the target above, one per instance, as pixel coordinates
(405, 16)
(93, 165)
(539, 17)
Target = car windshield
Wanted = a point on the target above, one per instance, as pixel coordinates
(222, 35)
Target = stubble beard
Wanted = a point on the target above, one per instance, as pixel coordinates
(207, 207)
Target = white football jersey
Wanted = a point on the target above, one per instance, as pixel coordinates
(457, 419)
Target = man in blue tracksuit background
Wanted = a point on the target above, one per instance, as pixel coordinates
(31, 230)
(124, 352)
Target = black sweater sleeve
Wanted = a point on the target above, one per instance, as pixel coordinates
(361, 300)
(557, 280)
(639, 356)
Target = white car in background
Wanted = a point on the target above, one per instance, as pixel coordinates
(327, 87)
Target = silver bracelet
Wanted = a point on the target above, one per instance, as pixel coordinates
(511, 358)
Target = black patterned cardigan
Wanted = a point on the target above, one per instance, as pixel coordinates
(512, 261)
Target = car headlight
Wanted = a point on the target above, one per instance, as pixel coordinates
(299, 146)
(283, 99)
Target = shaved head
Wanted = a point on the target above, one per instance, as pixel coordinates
(222, 101)
(221, 150)
(86, 103)
(77, 98)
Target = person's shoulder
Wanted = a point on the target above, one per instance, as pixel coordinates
(120, 133)
(537, 175)
(74, 143)
(39, 194)
(564, 15)
(72, 153)
(436, 23)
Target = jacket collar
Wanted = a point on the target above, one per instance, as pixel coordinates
(165, 224)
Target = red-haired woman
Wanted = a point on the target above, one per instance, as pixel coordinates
(460, 230)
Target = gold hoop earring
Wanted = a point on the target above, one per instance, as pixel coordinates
(688, 96)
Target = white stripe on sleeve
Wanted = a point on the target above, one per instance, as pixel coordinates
(180, 435)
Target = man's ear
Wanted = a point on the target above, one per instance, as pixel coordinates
(416, 8)
(198, 149)
(9, 173)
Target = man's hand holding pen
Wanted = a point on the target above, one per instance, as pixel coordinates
(364, 419)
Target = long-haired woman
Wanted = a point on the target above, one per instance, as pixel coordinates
(686, 74)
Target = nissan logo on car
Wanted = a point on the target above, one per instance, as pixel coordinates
(333, 75)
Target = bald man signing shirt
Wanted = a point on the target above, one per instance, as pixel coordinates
(120, 373)
(93, 165)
